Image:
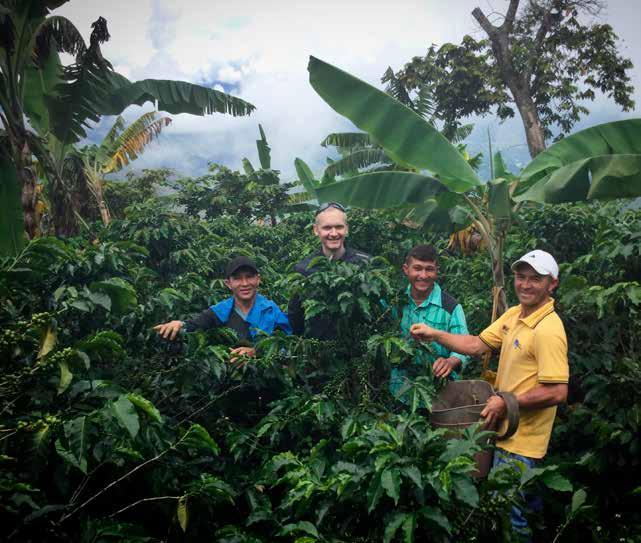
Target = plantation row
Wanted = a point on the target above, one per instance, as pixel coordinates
(111, 434)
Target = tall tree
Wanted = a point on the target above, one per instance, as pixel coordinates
(542, 58)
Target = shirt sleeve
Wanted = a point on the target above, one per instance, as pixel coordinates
(551, 352)
(458, 325)
(206, 320)
(492, 335)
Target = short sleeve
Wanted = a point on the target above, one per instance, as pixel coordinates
(551, 352)
(492, 336)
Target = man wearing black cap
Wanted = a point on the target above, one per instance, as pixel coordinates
(330, 227)
(246, 312)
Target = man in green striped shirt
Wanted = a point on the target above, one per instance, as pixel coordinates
(428, 303)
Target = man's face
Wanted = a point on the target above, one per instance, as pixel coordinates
(243, 284)
(421, 274)
(331, 228)
(532, 289)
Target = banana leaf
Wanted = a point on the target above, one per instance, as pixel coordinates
(12, 237)
(382, 190)
(500, 203)
(602, 177)
(91, 89)
(361, 158)
(347, 140)
(40, 82)
(407, 138)
(500, 168)
(306, 176)
(601, 162)
(264, 151)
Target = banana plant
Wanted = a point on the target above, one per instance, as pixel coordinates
(443, 190)
(39, 96)
(439, 188)
(120, 147)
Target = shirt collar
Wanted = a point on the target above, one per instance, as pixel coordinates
(348, 253)
(535, 318)
(434, 298)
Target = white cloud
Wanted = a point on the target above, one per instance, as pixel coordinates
(229, 74)
(262, 47)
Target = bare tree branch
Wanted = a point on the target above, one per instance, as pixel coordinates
(153, 499)
(510, 16)
(489, 28)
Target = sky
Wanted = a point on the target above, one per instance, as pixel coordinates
(258, 50)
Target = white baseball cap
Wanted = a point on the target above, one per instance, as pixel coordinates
(542, 262)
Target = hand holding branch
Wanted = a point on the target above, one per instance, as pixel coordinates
(169, 330)
(422, 332)
(239, 355)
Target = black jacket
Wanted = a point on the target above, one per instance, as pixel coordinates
(320, 327)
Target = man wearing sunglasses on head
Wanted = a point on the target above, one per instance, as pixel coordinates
(331, 228)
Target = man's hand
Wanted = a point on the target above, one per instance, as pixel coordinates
(240, 353)
(169, 330)
(442, 367)
(422, 332)
(494, 412)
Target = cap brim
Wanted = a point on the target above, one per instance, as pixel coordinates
(248, 266)
(537, 269)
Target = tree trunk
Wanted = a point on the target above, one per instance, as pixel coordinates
(102, 204)
(518, 83)
(63, 211)
(529, 115)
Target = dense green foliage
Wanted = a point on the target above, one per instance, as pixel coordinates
(109, 434)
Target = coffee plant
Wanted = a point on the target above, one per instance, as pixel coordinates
(109, 433)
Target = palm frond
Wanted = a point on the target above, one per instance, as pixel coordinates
(90, 88)
(114, 132)
(134, 139)
(424, 102)
(348, 140)
(460, 133)
(174, 97)
(58, 32)
(352, 163)
(396, 88)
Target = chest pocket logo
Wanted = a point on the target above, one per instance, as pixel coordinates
(517, 344)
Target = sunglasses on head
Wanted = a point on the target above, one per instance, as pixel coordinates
(327, 205)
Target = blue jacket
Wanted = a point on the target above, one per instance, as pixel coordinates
(265, 316)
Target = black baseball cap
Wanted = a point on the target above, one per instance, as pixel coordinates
(239, 262)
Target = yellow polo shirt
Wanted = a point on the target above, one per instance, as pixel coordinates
(533, 350)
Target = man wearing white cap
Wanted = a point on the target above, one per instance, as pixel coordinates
(533, 363)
